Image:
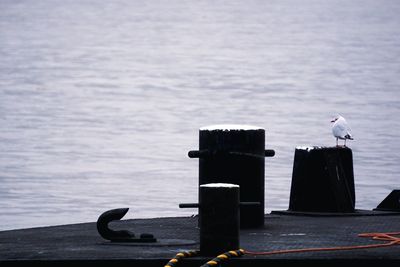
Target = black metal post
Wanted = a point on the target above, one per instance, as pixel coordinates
(219, 218)
(235, 154)
(323, 180)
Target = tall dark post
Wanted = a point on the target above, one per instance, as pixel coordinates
(235, 154)
(219, 218)
(323, 180)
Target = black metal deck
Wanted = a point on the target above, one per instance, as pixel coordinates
(80, 244)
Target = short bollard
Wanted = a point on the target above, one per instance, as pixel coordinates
(219, 217)
(219, 220)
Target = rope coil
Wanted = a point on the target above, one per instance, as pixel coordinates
(223, 257)
(184, 254)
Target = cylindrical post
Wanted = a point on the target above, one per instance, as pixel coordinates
(219, 218)
(235, 154)
(322, 180)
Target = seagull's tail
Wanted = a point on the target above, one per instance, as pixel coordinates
(349, 137)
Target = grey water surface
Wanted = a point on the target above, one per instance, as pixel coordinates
(100, 101)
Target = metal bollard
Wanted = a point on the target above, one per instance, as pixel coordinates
(323, 180)
(219, 218)
(235, 154)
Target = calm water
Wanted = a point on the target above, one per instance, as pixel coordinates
(101, 100)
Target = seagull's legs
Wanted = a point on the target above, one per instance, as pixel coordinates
(345, 141)
(337, 142)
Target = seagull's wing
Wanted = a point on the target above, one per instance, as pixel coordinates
(346, 127)
(339, 130)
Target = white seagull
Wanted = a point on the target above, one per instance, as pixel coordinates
(340, 129)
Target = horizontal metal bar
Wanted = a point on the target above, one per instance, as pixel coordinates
(189, 205)
(198, 153)
(269, 152)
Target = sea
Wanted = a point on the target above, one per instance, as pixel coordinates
(100, 101)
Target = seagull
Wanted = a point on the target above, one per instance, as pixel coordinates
(340, 129)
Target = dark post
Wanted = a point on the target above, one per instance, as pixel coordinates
(391, 202)
(235, 154)
(219, 218)
(323, 180)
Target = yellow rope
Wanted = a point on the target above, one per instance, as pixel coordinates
(175, 260)
(223, 257)
(214, 262)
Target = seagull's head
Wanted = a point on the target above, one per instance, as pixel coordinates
(336, 118)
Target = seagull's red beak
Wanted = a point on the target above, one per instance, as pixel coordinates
(334, 120)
